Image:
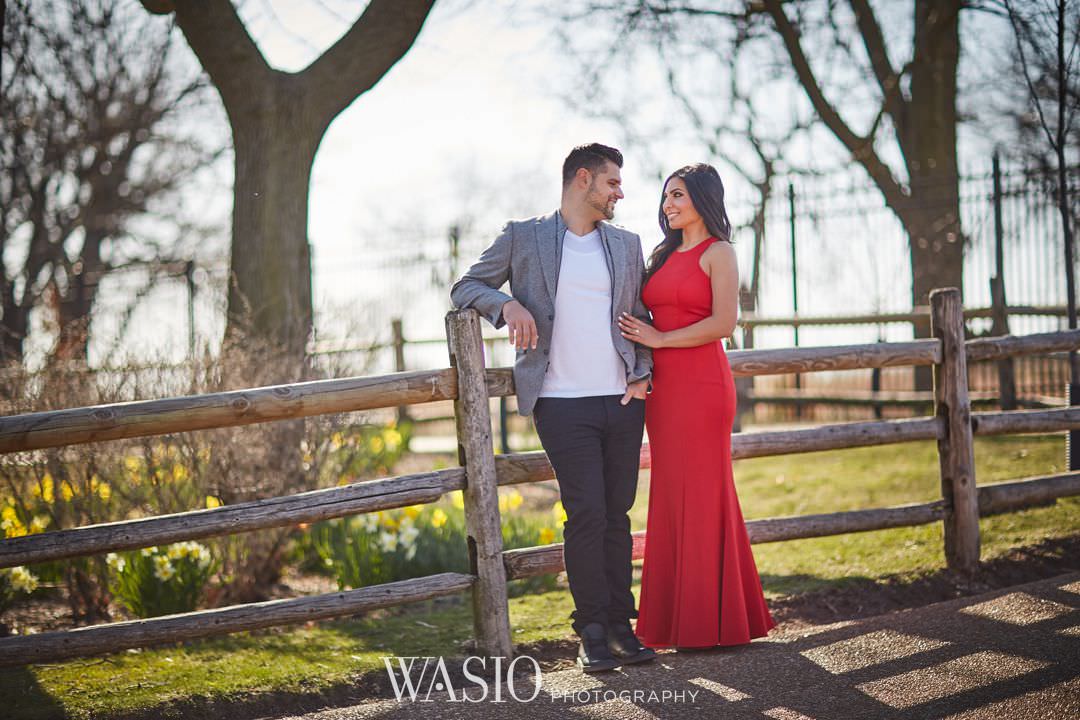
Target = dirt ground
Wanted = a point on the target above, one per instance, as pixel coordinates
(853, 601)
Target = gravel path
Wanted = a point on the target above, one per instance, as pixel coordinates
(1011, 653)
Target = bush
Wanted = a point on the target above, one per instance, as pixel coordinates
(90, 484)
(155, 581)
(420, 540)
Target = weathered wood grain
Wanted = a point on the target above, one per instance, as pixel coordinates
(527, 562)
(526, 467)
(1020, 494)
(1011, 345)
(360, 497)
(858, 398)
(226, 409)
(101, 639)
(1025, 421)
(832, 437)
(840, 357)
(919, 313)
(491, 614)
(956, 445)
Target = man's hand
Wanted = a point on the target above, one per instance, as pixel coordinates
(523, 333)
(636, 390)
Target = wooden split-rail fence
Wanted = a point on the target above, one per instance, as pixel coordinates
(470, 385)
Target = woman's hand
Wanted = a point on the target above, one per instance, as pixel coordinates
(640, 332)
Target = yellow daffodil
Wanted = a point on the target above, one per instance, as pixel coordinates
(438, 518)
(393, 439)
(212, 502)
(559, 511)
(163, 568)
(44, 488)
(22, 580)
(547, 536)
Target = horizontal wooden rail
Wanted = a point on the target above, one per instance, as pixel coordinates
(892, 398)
(920, 313)
(512, 469)
(527, 467)
(145, 418)
(834, 437)
(243, 407)
(838, 357)
(225, 409)
(996, 498)
(1030, 492)
(311, 506)
(100, 639)
(995, 348)
(841, 523)
(1025, 421)
(527, 562)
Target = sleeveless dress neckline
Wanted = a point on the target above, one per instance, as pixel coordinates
(706, 242)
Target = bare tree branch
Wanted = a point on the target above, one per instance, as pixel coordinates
(363, 55)
(861, 148)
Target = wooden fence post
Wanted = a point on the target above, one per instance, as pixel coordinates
(956, 449)
(491, 611)
(399, 361)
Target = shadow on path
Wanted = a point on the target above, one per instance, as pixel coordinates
(1011, 653)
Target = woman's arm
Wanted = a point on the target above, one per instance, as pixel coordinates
(721, 265)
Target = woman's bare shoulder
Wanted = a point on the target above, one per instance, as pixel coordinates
(719, 252)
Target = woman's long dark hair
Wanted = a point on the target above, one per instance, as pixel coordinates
(707, 194)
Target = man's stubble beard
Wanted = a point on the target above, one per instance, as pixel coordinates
(593, 201)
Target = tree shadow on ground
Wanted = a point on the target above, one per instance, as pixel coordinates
(23, 697)
(856, 597)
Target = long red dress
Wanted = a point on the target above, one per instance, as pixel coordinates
(699, 585)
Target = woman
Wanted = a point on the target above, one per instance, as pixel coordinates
(699, 585)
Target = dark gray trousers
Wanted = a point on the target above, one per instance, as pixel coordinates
(594, 444)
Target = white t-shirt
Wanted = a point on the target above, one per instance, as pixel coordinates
(583, 361)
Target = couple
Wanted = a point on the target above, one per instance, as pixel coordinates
(587, 355)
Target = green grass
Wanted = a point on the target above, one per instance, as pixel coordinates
(311, 659)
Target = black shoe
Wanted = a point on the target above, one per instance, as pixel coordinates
(593, 654)
(625, 646)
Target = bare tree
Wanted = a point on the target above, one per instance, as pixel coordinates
(841, 57)
(89, 90)
(1047, 41)
(278, 120)
(730, 117)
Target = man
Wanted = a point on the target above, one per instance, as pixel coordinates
(571, 275)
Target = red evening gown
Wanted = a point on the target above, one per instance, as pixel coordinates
(699, 585)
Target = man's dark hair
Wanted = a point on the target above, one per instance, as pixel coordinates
(592, 157)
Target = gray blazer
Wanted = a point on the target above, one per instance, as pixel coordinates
(528, 253)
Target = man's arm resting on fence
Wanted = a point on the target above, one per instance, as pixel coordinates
(479, 287)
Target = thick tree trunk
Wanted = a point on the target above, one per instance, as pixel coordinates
(270, 304)
(932, 214)
(76, 305)
(270, 287)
